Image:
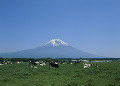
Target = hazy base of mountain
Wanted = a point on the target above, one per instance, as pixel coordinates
(50, 52)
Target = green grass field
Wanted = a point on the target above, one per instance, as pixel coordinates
(107, 74)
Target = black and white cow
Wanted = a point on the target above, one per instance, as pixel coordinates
(53, 64)
(95, 65)
(42, 64)
(9, 62)
(19, 62)
(32, 64)
(76, 62)
(88, 65)
(1, 63)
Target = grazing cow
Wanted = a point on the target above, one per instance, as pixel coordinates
(9, 62)
(32, 64)
(19, 62)
(1, 63)
(86, 65)
(53, 64)
(95, 65)
(37, 62)
(42, 64)
(77, 62)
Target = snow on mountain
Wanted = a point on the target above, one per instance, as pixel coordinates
(56, 42)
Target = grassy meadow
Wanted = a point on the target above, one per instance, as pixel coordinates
(106, 74)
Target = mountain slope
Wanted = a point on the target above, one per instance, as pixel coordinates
(56, 48)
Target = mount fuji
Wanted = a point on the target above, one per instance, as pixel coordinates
(56, 48)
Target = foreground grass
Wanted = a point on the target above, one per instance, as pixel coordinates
(107, 74)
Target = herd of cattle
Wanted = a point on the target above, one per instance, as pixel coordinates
(51, 64)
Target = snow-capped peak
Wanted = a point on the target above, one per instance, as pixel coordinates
(57, 42)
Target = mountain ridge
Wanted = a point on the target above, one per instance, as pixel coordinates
(55, 48)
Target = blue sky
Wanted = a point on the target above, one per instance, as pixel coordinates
(89, 25)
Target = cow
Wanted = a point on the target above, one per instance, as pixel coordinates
(76, 62)
(53, 64)
(1, 63)
(19, 62)
(36, 62)
(32, 64)
(88, 65)
(95, 65)
(9, 62)
(42, 64)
